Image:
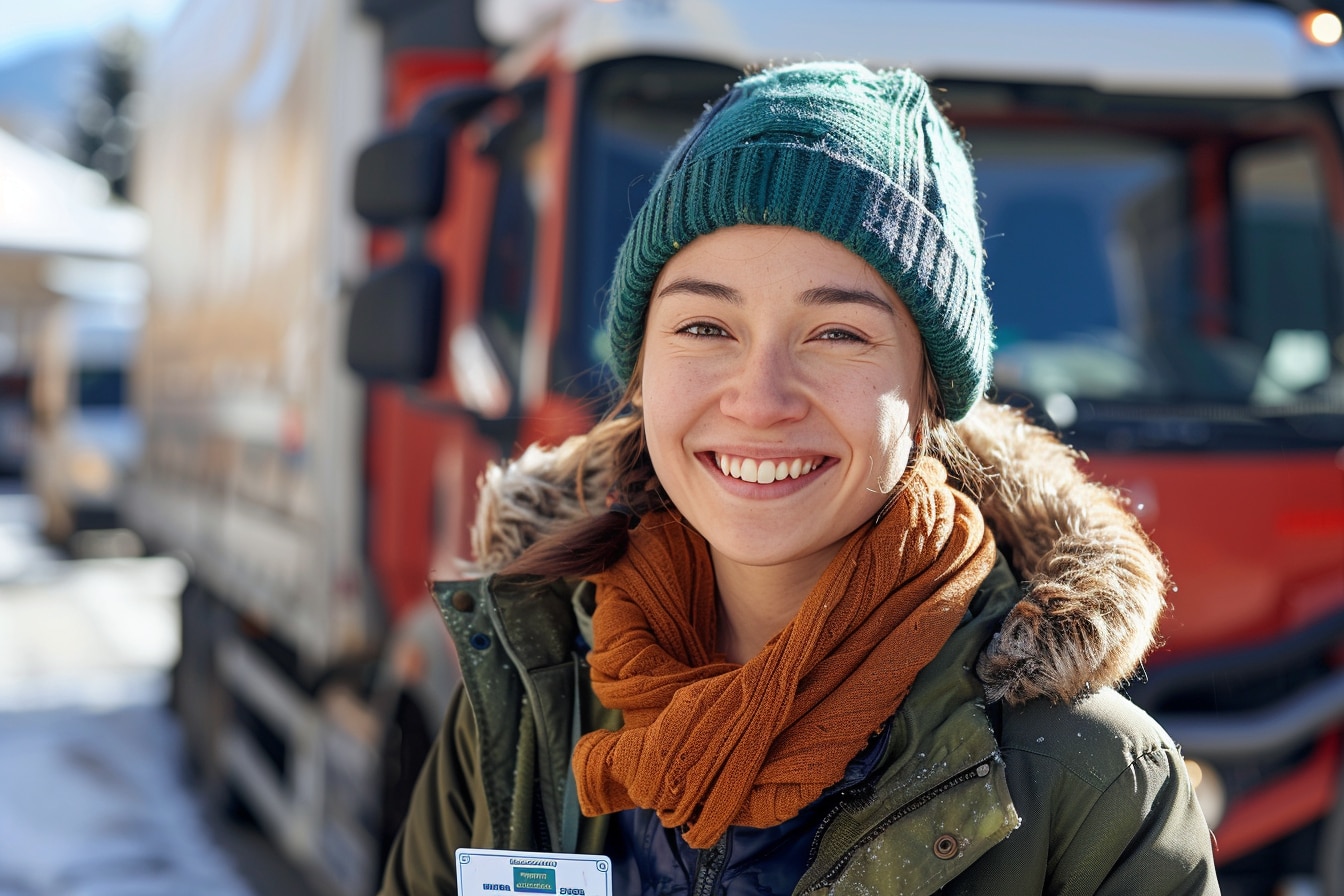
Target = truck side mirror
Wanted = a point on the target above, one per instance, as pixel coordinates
(400, 177)
(396, 323)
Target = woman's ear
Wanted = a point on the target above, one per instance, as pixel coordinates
(634, 390)
(933, 400)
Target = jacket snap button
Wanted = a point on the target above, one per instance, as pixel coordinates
(463, 601)
(946, 846)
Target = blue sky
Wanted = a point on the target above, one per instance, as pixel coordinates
(28, 24)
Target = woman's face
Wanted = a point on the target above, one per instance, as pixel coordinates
(781, 386)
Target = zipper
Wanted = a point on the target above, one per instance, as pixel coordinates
(978, 770)
(709, 865)
(542, 826)
(541, 830)
(856, 797)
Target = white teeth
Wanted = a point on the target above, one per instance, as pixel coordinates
(765, 472)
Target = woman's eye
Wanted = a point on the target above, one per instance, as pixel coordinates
(840, 336)
(702, 329)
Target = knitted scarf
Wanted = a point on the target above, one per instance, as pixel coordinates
(707, 743)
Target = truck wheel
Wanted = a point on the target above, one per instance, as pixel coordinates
(198, 699)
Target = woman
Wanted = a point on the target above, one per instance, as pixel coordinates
(750, 637)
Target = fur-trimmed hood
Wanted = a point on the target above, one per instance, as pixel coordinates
(1094, 583)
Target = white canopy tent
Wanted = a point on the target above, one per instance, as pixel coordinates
(51, 211)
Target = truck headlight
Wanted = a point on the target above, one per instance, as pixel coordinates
(1322, 27)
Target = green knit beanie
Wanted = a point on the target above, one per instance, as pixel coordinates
(863, 158)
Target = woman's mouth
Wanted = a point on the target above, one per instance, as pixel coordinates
(763, 472)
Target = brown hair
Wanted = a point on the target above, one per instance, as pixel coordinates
(593, 543)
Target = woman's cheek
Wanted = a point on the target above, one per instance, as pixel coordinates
(893, 441)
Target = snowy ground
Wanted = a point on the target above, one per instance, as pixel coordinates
(93, 797)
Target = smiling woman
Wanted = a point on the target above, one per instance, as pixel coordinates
(804, 613)
(769, 347)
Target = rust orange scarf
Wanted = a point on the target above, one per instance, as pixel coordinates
(707, 743)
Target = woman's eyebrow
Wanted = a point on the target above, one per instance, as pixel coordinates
(835, 295)
(819, 295)
(703, 288)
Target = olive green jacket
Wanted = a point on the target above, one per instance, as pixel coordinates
(1079, 797)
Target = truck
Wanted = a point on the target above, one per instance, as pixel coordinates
(382, 234)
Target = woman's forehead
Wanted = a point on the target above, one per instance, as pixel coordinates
(730, 262)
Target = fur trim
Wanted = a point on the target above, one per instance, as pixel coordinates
(1094, 585)
(521, 500)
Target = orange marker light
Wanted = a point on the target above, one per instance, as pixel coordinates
(1322, 27)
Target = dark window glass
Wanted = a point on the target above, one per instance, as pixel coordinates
(1285, 333)
(1097, 285)
(1167, 265)
(1080, 232)
(101, 387)
(518, 147)
(634, 111)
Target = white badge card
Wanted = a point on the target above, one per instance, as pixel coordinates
(557, 874)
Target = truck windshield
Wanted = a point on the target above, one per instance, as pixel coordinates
(1163, 273)
(1146, 272)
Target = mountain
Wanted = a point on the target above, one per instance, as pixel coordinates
(39, 92)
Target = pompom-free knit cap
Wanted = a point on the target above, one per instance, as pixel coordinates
(863, 158)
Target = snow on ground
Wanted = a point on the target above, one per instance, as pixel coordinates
(92, 804)
(93, 796)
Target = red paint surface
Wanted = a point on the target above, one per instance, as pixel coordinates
(1255, 542)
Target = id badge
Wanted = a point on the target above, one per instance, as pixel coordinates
(557, 874)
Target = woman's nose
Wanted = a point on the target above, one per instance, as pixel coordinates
(765, 388)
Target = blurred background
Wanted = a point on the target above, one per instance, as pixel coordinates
(95, 787)
(279, 277)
